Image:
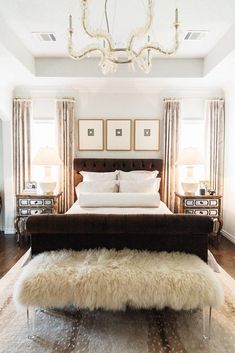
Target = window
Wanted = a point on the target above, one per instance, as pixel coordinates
(193, 135)
(192, 132)
(43, 133)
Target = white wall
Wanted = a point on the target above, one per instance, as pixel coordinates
(8, 193)
(126, 105)
(229, 171)
(1, 174)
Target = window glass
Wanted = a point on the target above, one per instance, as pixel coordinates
(42, 134)
(193, 135)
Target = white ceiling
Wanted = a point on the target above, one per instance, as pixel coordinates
(25, 17)
(26, 61)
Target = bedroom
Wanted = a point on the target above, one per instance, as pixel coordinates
(42, 71)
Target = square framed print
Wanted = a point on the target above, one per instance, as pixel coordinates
(147, 135)
(118, 134)
(91, 134)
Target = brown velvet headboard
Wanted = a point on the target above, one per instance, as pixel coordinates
(110, 165)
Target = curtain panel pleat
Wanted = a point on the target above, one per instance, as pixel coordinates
(65, 125)
(21, 123)
(171, 120)
(215, 131)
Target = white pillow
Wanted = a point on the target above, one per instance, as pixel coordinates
(96, 187)
(151, 186)
(98, 176)
(137, 174)
(119, 200)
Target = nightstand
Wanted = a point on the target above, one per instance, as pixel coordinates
(204, 205)
(34, 204)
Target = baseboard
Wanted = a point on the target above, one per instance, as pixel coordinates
(9, 231)
(228, 236)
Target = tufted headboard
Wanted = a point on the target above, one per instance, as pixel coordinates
(110, 165)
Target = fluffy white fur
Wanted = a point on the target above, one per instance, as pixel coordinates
(112, 280)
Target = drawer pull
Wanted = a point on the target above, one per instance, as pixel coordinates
(36, 202)
(201, 203)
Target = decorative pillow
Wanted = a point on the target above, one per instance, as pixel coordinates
(98, 176)
(119, 200)
(96, 187)
(137, 174)
(151, 186)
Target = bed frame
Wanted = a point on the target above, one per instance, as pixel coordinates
(174, 232)
(110, 165)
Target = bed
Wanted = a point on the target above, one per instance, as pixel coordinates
(155, 229)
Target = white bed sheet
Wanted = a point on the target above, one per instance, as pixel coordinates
(162, 209)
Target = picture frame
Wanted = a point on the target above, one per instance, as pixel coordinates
(91, 134)
(118, 134)
(147, 134)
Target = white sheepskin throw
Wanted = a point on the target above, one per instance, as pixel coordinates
(113, 280)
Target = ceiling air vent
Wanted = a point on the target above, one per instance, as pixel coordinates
(195, 35)
(45, 36)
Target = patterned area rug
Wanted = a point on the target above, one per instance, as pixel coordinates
(74, 331)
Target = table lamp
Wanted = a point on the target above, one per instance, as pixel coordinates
(190, 157)
(47, 157)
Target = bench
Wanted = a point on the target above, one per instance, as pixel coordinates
(115, 280)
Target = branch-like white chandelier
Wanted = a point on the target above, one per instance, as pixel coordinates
(111, 56)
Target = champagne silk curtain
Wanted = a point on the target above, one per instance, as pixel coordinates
(171, 144)
(215, 131)
(65, 125)
(21, 122)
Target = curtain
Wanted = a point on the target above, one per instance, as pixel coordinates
(22, 111)
(65, 125)
(215, 129)
(171, 121)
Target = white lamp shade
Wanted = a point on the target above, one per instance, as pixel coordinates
(190, 156)
(46, 156)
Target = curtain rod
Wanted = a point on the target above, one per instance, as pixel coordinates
(44, 98)
(180, 98)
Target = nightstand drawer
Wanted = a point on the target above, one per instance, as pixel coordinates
(48, 202)
(214, 203)
(34, 211)
(23, 202)
(202, 212)
(189, 202)
(23, 211)
(200, 203)
(214, 212)
(36, 202)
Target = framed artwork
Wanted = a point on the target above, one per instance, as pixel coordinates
(91, 134)
(147, 135)
(118, 134)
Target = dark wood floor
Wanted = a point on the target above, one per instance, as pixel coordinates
(10, 253)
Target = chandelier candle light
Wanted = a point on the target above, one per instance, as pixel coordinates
(111, 56)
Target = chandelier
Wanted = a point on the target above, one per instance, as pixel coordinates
(112, 56)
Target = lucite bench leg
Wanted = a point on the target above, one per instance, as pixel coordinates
(31, 318)
(207, 323)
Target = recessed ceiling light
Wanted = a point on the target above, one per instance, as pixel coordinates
(195, 34)
(45, 36)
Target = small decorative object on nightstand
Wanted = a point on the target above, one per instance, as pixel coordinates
(204, 205)
(28, 204)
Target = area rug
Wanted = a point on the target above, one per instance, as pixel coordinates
(72, 331)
